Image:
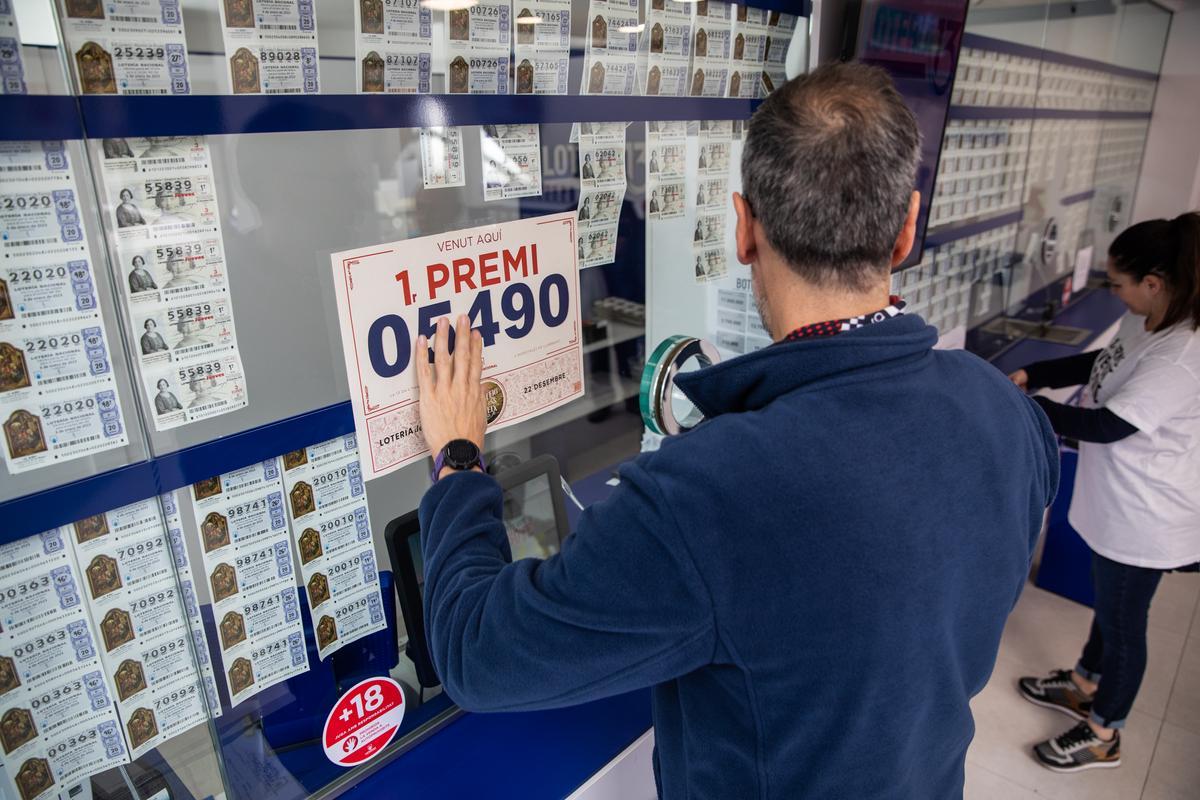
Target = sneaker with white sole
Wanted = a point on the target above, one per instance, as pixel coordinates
(1057, 691)
(1079, 749)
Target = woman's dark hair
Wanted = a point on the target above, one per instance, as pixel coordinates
(1170, 249)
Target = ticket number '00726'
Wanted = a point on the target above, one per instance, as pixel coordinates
(517, 283)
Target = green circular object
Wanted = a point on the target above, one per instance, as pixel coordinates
(658, 378)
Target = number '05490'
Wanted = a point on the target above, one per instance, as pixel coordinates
(517, 304)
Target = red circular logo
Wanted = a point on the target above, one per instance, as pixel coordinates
(363, 722)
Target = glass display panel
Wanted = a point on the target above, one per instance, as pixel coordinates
(1039, 161)
(236, 583)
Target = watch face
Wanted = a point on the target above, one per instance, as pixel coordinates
(461, 454)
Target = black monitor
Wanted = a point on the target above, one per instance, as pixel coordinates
(535, 516)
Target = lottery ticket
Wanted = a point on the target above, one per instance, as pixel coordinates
(247, 553)
(600, 207)
(60, 722)
(597, 245)
(712, 49)
(602, 165)
(129, 47)
(393, 46)
(710, 264)
(710, 229)
(667, 199)
(131, 563)
(541, 46)
(477, 46)
(12, 68)
(170, 264)
(58, 398)
(669, 47)
(442, 158)
(271, 46)
(611, 54)
(478, 74)
(666, 161)
(327, 505)
(512, 161)
(185, 393)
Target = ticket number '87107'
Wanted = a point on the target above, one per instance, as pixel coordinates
(518, 284)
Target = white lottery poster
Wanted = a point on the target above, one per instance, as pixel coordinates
(519, 284)
(442, 164)
(163, 212)
(128, 562)
(512, 161)
(12, 69)
(541, 46)
(58, 721)
(611, 62)
(331, 526)
(393, 46)
(58, 396)
(477, 46)
(129, 47)
(271, 46)
(247, 554)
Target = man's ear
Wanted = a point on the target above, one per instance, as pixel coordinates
(747, 246)
(908, 233)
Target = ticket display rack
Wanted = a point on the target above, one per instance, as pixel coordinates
(192, 223)
(1039, 165)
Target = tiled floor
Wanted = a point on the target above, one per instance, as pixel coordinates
(1161, 742)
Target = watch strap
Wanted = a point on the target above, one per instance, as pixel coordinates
(439, 463)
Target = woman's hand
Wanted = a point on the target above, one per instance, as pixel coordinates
(1021, 379)
(451, 397)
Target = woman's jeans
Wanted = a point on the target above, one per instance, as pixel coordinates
(1115, 653)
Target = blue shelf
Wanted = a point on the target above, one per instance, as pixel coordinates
(977, 42)
(61, 505)
(111, 117)
(945, 234)
(1081, 197)
(1012, 112)
(30, 117)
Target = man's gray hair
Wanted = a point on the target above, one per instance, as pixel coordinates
(829, 168)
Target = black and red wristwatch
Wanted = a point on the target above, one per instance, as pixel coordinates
(459, 454)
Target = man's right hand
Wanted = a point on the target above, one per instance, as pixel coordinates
(1021, 379)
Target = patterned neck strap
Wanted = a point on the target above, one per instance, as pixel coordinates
(835, 326)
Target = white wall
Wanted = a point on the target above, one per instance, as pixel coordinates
(1170, 181)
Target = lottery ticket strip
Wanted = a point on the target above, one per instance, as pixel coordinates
(103, 652)
(12, 68)
(138, 47)
(58, 396)
(127, 47)
(602, 185)
(166, 225)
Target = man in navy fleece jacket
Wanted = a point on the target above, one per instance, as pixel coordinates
(815, 579)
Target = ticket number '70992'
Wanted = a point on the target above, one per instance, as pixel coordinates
(517, 282)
